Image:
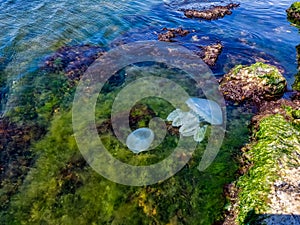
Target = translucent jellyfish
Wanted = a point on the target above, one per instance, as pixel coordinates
(207, 109)
(140, 140)
(200, 110)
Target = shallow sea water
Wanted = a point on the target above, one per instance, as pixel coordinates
(32, 30)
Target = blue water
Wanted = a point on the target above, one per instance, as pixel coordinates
(32, 29)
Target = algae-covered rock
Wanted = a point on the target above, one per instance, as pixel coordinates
(15, 156)
(212, 13)
(296, 84)
(293, 13)
(255, 83)
(298, 55)
(273, 160)
(270, 169)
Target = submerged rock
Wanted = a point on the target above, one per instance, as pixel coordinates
(15, 156)
(72, 60)
(172, 33)
(213, 13)
(255, 83)
(293, 13)
(211, 53)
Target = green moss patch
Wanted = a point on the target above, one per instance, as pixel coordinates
(293, 13)
(276, 140)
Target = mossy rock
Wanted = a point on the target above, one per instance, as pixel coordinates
(298, 55)
(256, 83)
(272, 152)
(296, 84)
(293, 13)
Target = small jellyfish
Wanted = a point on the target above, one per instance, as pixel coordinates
(140, 140)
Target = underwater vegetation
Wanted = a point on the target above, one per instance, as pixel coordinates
(61, 188)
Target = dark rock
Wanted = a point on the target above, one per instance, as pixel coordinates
(255, 83)
(276, 107)
(212, 13)
(72, 60)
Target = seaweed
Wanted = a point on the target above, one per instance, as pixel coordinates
(275, 139)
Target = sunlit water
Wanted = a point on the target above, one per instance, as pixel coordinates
(31, 30)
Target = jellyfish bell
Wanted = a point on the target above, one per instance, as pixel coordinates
(207, 109)
(140, 140)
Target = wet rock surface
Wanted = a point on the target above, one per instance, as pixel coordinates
(256, 83)
(72, 60)
(269, 108)
(213, 13)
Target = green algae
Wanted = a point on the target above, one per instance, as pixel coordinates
(39, 96)
(293, 13)
(62, 189)
(190, 197)
(296, 84)
(275, 139)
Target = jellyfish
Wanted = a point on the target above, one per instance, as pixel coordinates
(140, 140)
(200, 110)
